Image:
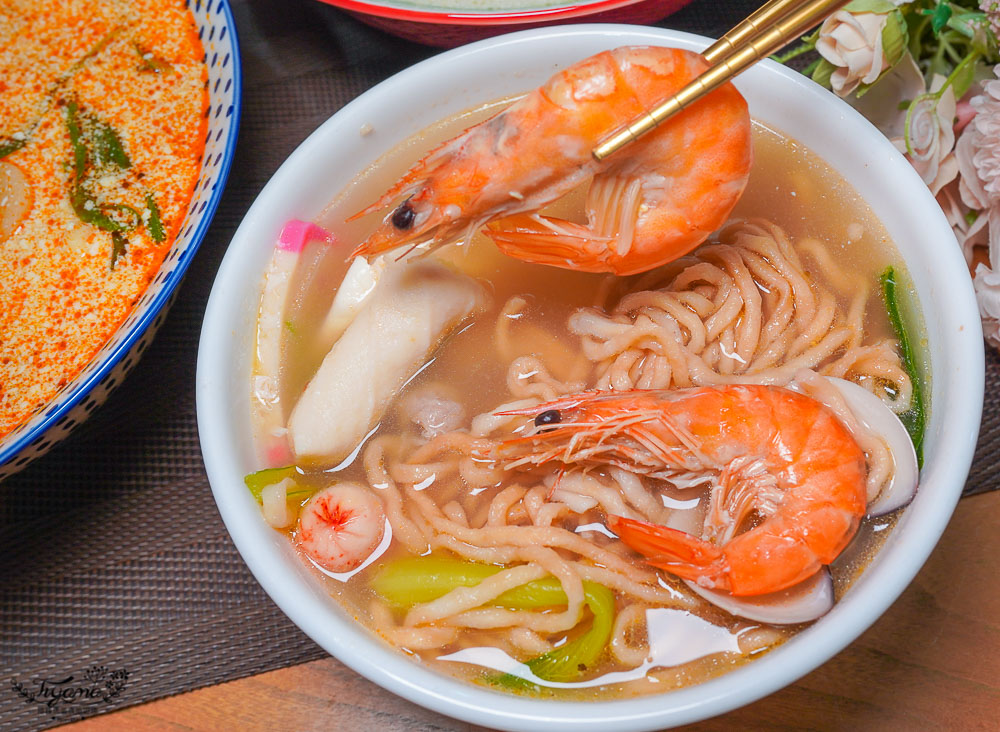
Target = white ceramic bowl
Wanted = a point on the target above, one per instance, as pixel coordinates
(457, 80)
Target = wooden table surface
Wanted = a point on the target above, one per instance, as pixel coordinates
(931, 662)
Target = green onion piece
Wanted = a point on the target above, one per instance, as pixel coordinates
(118, 244)
(108, 147)
(92, 214)
(94, 50)
(9, 145)
(407, 582)
(915, 418)
(154, 224)
(260, 480)
(149, 62)
(129, 211)
(79, 149)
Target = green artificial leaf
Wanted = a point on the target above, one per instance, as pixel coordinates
(822, 73)
(895, 38)
(964, 75)
(939, 15)
(968, 24)
(869, 6)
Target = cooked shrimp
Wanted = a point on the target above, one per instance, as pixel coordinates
(778, 462)
(648, 204)
(341, 526)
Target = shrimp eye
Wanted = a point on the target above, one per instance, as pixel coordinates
(551, 416)
(403, 216)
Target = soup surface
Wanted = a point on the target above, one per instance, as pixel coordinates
(102, 126)
(458, 519)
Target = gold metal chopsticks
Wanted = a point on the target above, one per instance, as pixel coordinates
(789, 18)
(753, 25)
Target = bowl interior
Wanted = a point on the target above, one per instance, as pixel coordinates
(73, 404)
(453, 82)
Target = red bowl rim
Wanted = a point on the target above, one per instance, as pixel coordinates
(445, 17)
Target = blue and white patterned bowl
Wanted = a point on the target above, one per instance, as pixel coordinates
(75, 402)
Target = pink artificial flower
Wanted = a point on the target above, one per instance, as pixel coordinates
(978, 150)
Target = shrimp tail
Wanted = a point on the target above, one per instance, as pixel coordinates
(755, 563)
(675, 551)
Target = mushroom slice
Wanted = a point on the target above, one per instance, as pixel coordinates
(877, 417)
(806, 601)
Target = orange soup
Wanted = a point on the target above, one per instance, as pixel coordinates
(102, 125)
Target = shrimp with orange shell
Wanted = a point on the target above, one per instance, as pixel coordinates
(787, 478)
(648, 204)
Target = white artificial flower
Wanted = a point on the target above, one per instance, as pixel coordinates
(853, 43)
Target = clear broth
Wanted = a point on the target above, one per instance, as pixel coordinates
(789, 185)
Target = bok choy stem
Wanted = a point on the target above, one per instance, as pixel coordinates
(408, 582)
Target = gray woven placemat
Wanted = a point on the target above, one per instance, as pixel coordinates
(118, 571)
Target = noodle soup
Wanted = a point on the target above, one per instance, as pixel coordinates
(454, 518)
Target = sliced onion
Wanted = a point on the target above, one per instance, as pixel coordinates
(274, 499)
(876, 416)
(15, 198)
(805, 601)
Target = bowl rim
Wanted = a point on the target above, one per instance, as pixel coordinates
(485, 17)
(363, 652)
(66, 403)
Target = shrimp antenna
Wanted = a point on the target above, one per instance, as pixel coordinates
(762, 33)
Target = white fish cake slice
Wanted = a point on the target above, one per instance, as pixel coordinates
(411, 311)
